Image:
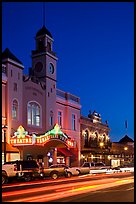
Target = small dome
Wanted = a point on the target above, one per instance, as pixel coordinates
(43, 31)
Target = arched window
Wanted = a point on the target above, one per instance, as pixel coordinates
(14, 109)
(48, 46)
(86, 137)
(95, 138)
(41, 45)
(33, 114)
(104, 138)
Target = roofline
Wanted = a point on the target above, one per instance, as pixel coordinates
(45, 35)
(42, 53)
(13, 62)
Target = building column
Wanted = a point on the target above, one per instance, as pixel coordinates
(45, 160)
(68, 161)
(22, 153)
(54, 156)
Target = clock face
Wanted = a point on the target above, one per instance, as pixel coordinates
(51, 68)
(38, 67)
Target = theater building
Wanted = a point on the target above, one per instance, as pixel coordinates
(39, 121)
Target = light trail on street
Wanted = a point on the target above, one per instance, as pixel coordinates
(53, 190)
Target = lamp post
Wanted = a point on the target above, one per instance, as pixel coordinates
(101, 146)
(4, 129)
(125, 150)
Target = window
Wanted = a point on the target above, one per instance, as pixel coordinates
(100, 164)
(33, 114)
(18, 75)
(2, 136)
(48, 46)
(15, 86)
(41, 45)
(86, 137)
(14, 109)
(73, 122)
(60, 118)
(51, 118)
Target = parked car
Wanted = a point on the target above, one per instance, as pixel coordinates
(54, 171)
(20, 169)
(92, 167)
(71, 171)
(113, 170)
(57, 170)
(127, 168)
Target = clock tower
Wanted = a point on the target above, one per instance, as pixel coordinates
(43, 71)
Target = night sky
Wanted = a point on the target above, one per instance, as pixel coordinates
(94, 43)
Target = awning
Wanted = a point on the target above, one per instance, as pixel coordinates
(65, 151)
(9, 148)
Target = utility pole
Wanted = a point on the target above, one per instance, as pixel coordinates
(4, 129)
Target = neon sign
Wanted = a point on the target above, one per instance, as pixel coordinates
(21, 137)
(21, 133)
(21, 141)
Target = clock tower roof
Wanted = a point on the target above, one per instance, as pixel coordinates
(43, 31)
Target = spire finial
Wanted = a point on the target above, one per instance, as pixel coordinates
(43, 13)
(126, 125)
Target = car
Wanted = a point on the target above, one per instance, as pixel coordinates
(54, 171)
(20, 169)
(71, 171)
(99, 171)
(127, 168)
(92, 167)
(113, 170)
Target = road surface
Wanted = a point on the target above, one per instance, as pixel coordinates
(117, 187)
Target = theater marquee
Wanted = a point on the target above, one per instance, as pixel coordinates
(21, 137)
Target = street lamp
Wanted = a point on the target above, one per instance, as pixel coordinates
(101, 144)
(125, 149)
(4, 129)
(101, 147)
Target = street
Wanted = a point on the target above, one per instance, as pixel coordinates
(117, 187)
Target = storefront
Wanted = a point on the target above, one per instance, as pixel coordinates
(50, 148)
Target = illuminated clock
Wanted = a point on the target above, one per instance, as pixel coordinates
(51, 68)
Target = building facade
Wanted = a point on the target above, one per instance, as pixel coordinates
(95, 140)
(32, 105)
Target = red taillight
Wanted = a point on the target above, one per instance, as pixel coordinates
(15, 167)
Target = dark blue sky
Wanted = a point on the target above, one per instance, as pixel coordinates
(95, 46)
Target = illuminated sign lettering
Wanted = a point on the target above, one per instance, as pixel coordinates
(21, 137)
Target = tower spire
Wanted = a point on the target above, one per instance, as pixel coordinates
(43, 13)
(126, 125)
